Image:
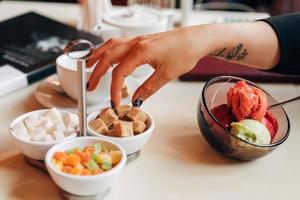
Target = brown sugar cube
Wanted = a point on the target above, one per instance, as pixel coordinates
(125, 92)
(138, 127)
(123, 110)
(122, 129)
(108, 116)
(137, 114)
(99, 126)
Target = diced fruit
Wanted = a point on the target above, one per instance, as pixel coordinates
(93, 159)
(69, 151)
(77, 151)
(106, 161)
(72, 160)
(76, 171)
(92, 165)
(85, 157)
(98, 171)
(57, 164)
(85, 172)
(66, 169)
(115, 157)
(97, 148)
(61, 156)
(89, 149)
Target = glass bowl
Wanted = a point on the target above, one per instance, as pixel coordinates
(220, 137)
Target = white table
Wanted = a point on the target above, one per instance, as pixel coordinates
(176, 163)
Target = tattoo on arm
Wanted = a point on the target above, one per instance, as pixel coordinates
(235, 53)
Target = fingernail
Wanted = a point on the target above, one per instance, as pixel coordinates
(137, 103)
(112, 105)
(87, 85)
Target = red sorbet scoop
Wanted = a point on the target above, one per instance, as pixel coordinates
(247, 102)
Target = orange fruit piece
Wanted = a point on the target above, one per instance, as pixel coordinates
(61, 156)
(72, 160)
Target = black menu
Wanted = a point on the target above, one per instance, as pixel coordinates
(29, 45)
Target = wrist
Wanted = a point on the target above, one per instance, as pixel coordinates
(209, 38)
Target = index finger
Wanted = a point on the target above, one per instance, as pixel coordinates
(126, 67)
(111, 43)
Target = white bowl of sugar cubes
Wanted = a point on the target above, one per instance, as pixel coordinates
(35, 132)
(129, 127)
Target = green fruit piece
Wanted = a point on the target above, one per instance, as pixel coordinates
(106, 164)
(69, 151)
(97, 148)
(106, 161)
(92, 165)
(94, 156)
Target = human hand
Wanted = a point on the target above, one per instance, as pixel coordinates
(171, 54)
(176, 52)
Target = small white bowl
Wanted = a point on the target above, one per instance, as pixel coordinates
(84, 185)
(130, 144)
(33, 149)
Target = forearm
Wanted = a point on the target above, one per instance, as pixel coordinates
(254, 44)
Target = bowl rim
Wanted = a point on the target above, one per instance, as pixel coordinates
(143, 134)
(208, 83)
(119, 166)
(42, 143)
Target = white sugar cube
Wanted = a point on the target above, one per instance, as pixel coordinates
(30, 130)
(38, 134)
(32, 121)
(59, 127)
(46, 123)
(58, 135)
(54, 115)
(43, 118)
(48, 138)
(71, 120)
(70, 131)
(20, 130)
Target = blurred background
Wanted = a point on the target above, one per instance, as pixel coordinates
(274, 7)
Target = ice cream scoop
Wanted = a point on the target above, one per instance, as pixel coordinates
(252, 131)
(223, 114)
(247, 102)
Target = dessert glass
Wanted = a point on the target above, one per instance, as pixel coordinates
(220, 137)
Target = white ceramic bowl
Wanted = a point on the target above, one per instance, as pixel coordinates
(84, 185)
(130, 144)
(32, 149)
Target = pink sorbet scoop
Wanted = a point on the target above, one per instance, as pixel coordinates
(247, 102)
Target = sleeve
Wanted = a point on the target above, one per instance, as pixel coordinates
(287, 28)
